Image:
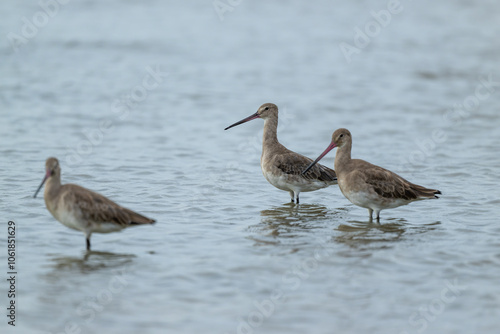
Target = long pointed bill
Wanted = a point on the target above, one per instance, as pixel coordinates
(248, 119)
(328, 149)
(47, 175)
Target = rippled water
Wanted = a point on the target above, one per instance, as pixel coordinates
(229, 254)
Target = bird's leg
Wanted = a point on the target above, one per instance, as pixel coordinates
(378, 216)
(370, 213)
(87, 239)
(292, 196)
(297, 198)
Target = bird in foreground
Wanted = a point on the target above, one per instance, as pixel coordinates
(282, 167)
(82, 209)
(370, 186)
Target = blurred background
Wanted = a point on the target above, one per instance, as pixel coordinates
(133, 97)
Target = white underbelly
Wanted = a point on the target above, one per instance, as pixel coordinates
(105, 227)
(373, 201)
(296, 183)
(68, 219)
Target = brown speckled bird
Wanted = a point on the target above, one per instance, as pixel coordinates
(82, 209)
(370, 186)
(282, 167)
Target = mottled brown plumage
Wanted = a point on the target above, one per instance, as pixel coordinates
(390, 185)
(97, 208)
(294, 164)
(368, 185)
(282, 167)
(82, 209)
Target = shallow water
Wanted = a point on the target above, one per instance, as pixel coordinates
(229, 254)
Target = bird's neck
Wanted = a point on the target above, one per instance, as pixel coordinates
(270, 137)
(52, 187)
(343, 158)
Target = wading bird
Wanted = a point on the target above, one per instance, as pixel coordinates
(82, 209)
(282, 167)
(369, 186)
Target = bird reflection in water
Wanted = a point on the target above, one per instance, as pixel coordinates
(372, 235)
(289, 221)
(89, 278)
(90, 262)
(291, 225)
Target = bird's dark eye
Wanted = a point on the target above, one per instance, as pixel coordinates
(267, 108)
(342, 135)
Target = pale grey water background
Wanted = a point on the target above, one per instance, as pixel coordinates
(226, 240)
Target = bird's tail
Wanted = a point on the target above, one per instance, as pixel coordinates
(426, 192)
(138, 219)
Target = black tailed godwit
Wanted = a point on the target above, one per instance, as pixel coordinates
(282, 167)
(370, 186)
(82, 209)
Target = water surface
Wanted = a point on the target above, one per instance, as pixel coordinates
(229, 254)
